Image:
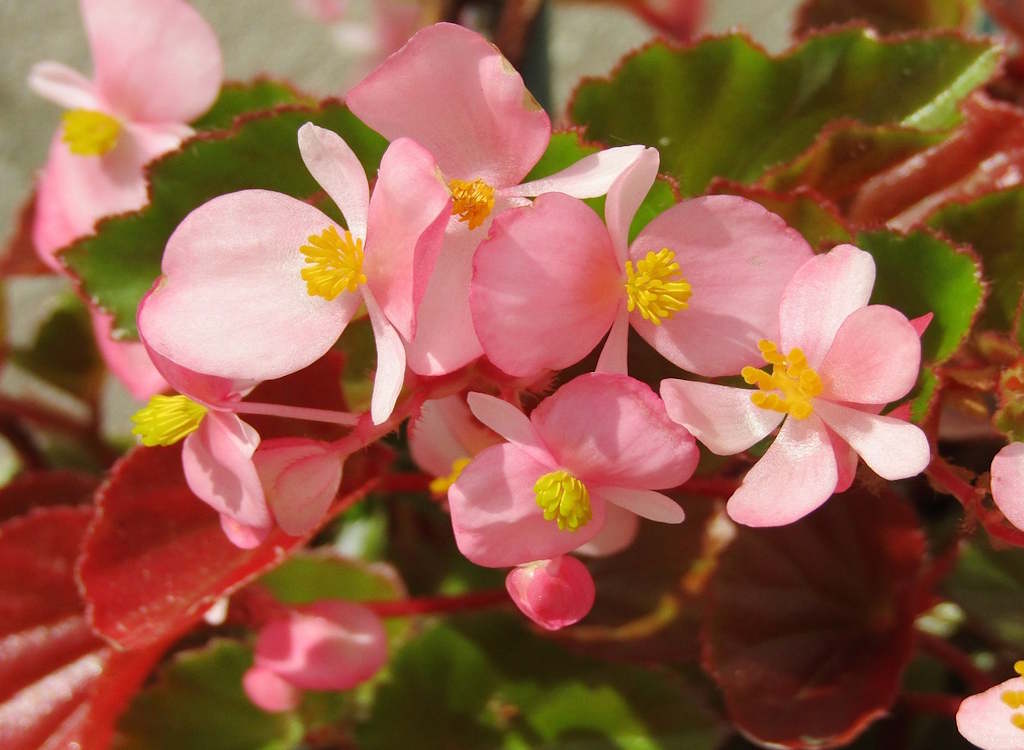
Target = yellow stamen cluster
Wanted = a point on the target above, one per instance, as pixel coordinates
(167, 419)
(564, 499)
(656, 287)
(90, 133)
(1015, 698)
(791, 385)
(439, 487)
(335, 263)
(472, 201)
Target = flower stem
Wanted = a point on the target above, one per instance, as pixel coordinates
(931, 703)
(348, 419)
(958, 662)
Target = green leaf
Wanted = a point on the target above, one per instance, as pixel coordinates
(315, 575)
(119, 264)
(63, 352)
(887, 17)
(243, 98)
(198, 702)
(490, 683)
(725, 108)
(994, 226)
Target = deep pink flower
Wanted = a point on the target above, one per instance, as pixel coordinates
(257, 284)
(994, 720)
(553, 593)
(157, 67)
(328, 645)
(839, 363)
(1008, 483)
(453, 92)
(701, 282)
(444, 439)
(588, 455)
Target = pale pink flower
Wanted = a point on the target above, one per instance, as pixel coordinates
(553, 593)
(453, 92)
(994, 719)
(157, 66)
(1008, 483)
(701, 282)
(839, 362)
(257, 284)
(328, 645)
(586, 457)
(444, 438)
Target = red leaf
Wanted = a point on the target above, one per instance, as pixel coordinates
(19, 256)
(810, 625)
(155, 558)
(45, 488)
(60, 685)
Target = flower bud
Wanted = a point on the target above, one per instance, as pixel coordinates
(553, 593)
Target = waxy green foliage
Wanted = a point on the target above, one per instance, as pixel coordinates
(119, 264)
(725, 108)
(236, 99)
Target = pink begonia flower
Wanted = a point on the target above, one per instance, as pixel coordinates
(1008, 483)
(328, 645)
(994, 720)
(444, 439)
(453, 92)
(157, 67)
(599, 445)
(700, 283)
(257, 285)
(553, 593)
(840, 361)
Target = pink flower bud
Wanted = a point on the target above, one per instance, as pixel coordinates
(553, 593)
(268, 691)
(329, 645)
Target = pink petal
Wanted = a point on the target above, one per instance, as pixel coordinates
(1008, 482)
(300, 478)
(452, 91)
(922, 322)
(614, 357)
(339, 172)
(721, 417)
(127, 360)
(738, 258)
(390, 374)
(590, 177)
(445, 432)
(619, 530)
(894, 449)
(156, 61)
(232, 301)
(846, 462)
(409, 211)
(986, 721)
(329, 645)
(794, 477)
(495, 516)
(545, 286)
(207, 389)
(242, 536)
(507, 421)
(625, 196)
(553, 593)
(270, 692)
(874, 358)
(613, 430)
(645, 503)
(445, 339)
(217, 459)
(62, 85)
(822, 294)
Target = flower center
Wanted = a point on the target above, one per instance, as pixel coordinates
(656, 287)
(167, 419)
(439, 487)
(90, 133)
(1015, 698)
(791, 385)
(472, 201)
(564, 499)
(334, 263)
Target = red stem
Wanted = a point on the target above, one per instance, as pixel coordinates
(710, 487)
(405, 482)
(931, 703)
(958, 662)
(945, 478)
(428, 605)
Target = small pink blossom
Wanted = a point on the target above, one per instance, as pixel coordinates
(587, 456)
(1008, 483)
(328, 645)
(994, 719)
(700, 283)
(257, 285)
(839, 363)
(444, 439)
(553, 593)
(454, 93)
